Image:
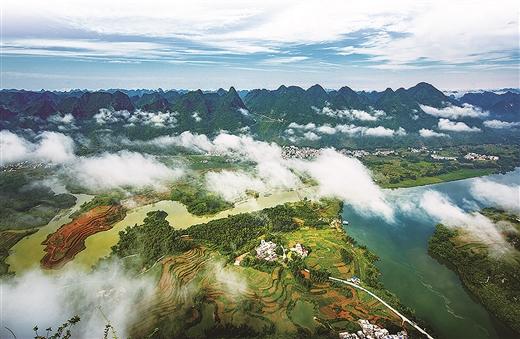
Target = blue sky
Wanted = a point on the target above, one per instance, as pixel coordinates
(251, 44)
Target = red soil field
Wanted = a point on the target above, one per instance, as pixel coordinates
(69, 239)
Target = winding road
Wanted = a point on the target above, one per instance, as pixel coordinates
(405, 319)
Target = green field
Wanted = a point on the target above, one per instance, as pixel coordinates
(201, 292)
(452, 176)
(408, 169)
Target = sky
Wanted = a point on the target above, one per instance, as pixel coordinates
(259, 44)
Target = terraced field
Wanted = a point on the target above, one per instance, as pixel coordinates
(69, 239)
(196, 292)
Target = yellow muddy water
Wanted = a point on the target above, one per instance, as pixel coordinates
(29, 251)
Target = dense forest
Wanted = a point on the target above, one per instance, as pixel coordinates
(24, 203)
(151, 240)
(198, 200)
(494, 281)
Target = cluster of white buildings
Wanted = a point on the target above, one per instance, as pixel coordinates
(370, 331)
(300, 250)
(384, 152)
(266, 251)
(476, 156)
(23, 165)
(440, 157)
(358, 153)
(291, 152)
(418, 150)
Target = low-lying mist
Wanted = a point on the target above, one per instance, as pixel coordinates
(49, 299)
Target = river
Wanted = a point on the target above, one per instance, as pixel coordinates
(433, 290)
(27, 253)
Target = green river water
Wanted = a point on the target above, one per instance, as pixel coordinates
(433, 290)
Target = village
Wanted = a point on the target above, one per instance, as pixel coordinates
(372, 331)
(295, 152)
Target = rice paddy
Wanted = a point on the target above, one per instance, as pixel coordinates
(198, 290)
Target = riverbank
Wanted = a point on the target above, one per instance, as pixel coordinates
(447, 177)
(285, 297)
(419, 281)
(28, 252)
(492, 279)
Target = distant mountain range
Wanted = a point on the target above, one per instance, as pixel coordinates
(265, 111)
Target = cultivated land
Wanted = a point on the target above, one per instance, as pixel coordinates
(403, 167)
(424, 166)
(62, 245)
(494, 279)
(200, 291)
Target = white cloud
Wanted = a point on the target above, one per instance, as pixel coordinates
(284, 60)
(446, 212)
(455, 112)
(13, 148)
(55, 147)
(107, 116)
(243, 111)
(54, 298)
(308, 126)
(353, 130)
(52, 147)
(399, 35)
(122, 169)
(348, 179)
(97, 172)
(336, 174)
(452, 126)
(156, 119)
(496, 194)
(326, 129)
(352, 114)
(196, 116)
(428, 133)
(311, 136)
(277, 174)
(197, 142)
(65, 119)
(378, 131)
(500, 124)
(232, 185)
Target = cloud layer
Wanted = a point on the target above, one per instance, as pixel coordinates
(53, 299)
(352, 114)
(336, 175)
(156, 119)
(455, 126)
(444, 211)
(496, 194)
(123, 169)
(500, 124)
(428, 133)
(50, 147)
(456, 112)
(312, 131)
(97, 172)
(391, 36)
